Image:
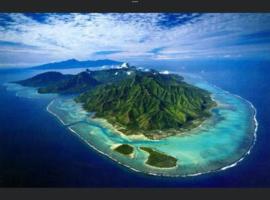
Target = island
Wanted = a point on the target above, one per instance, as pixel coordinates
(124, 149)
(159, 159)
(56, 82)
(150, 104)
(135, 102)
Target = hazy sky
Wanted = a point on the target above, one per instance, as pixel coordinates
(31, 39)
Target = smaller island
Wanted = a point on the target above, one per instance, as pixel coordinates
(125, 149)
(158, 159)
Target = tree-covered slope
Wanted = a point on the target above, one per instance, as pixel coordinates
(147, 102)
(113, 75)
(75, 84)
(55, 82)
(134, 101)
(44, 79)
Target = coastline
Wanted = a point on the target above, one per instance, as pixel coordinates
(116, 131)
(132, 155)
(140, 136)
(51, 112)
(256, 124)
(233, 164)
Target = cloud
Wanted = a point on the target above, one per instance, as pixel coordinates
(40, 38)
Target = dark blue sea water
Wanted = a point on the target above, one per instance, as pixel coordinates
(36, 150)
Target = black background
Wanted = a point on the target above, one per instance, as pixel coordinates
(129, 6)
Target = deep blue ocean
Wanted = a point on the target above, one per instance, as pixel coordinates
(36, 150)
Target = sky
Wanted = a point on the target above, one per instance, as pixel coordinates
(29, 39)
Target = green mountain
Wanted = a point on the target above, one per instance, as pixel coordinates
(44, 79)
(148, 103)
(74, 84)
(55, 82)
(113, 75)
(134, 101)
(73, 63)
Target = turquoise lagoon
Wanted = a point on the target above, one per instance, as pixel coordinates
(218, 144)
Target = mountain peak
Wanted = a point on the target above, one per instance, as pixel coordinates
(73, 63)
(156, 106)
(125, 65)
(72, 60)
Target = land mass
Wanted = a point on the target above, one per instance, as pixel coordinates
(134, 101)
(55, 82)
(124, 149)
(149, 103)
(73, 63)
(159, 159)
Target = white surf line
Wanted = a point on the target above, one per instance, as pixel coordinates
(48, 109)
(234, 163)
(183, 175)
(251, 146)
(117, 161)
(167, 175)
(246, 154)
(243, 157)
(84, 140)
(92, 146)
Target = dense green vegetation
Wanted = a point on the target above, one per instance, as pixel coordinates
(113, 75)
(134, 101)
(158, 159)
(149, 103)
(55, 82)
(124, 149)
(75, 84)
(44, 79)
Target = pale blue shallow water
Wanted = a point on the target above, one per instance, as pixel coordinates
(217, 144)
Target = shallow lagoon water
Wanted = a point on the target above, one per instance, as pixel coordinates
(219, 142)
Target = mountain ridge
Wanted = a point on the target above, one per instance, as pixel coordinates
(134, 101)
(154, 105)
(73, 63)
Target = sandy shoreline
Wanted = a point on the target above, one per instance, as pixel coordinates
(256, 124)
(109, 126)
